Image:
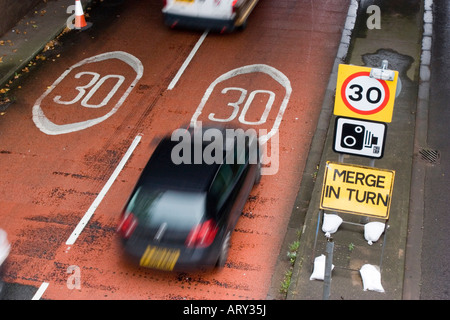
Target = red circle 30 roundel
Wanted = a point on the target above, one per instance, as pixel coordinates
(365, 95)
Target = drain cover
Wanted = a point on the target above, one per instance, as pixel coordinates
(430, 155)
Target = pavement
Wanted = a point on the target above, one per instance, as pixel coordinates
(31, 35)
(399, 41)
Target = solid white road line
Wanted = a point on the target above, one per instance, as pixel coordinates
(40, 292)
(84, 221)
(187, 61)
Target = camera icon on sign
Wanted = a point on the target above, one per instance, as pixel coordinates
(357, 137)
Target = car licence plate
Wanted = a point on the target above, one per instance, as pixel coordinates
(159, 258)
(189, 1)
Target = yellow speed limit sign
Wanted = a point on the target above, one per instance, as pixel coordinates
(357, 190)
(360, 95)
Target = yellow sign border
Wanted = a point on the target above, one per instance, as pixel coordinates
(356, 208)
(341, 109)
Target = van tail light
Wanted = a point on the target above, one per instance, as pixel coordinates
(127, 225)
(233, 5)
(202, 235)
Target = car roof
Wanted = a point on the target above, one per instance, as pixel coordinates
(162, 172)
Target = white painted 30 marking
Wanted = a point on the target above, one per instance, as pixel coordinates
(51, 128)
(236, 106)
(95, 80)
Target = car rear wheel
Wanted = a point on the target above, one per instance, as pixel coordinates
(225, 248)
(258, 173)
(242, 26)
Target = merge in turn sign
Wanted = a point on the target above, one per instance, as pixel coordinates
(357, 190)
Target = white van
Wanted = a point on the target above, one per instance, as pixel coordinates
(217, 15)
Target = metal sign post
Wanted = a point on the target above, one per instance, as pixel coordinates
(328, 269)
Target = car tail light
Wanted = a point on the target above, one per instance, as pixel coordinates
(202, 235)
(127, 225)
(233, 4)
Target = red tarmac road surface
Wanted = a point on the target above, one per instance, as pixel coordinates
(49, 181)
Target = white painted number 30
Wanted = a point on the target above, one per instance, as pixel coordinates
(236, 106)
(95, 80)
(275, 74)
(86, 91)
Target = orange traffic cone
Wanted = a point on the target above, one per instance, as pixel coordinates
(80, 22)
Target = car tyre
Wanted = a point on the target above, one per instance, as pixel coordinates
(242, 27)
(258, 173)
(225, 248)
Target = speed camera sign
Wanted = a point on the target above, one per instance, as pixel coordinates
(358, 95)
(359, 137)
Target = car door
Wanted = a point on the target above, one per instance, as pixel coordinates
(231, 187)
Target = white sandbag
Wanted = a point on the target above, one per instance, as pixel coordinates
(319, 268)
(373, 231)
(331, 223)
(371, 278)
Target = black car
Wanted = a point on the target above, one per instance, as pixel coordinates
(180, 216)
